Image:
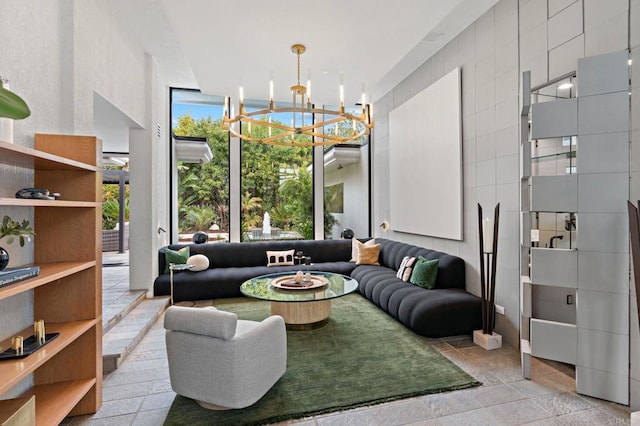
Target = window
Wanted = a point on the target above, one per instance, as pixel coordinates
(202, 189)
(275, 197)
(276, 185)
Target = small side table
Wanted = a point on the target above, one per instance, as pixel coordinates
(176, 267)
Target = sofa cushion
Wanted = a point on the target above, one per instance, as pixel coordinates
(431, 313)
(280, 258)
(368, 254)
(198, 262)
(406, 267)
(445, 312)
(178, 257)
(424, 273)
(227, 255)
(451, 269)
(355, 245)
(216, 283)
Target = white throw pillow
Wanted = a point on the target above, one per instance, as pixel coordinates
(280, 258)
(406, 267)
(354, 247)
(200, 262)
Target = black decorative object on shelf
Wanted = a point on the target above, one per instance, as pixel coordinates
(4, 258)
(488, 235)
(200, 237)
(37, 194)
(30, 345)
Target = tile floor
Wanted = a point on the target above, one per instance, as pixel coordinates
(115, 287)
(139, 393)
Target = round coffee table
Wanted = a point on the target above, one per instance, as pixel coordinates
(302, 308)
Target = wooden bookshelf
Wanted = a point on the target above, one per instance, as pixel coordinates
(67, 294)
(46, 203)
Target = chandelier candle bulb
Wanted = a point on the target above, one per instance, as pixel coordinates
(271, 91)
(293, 126)
(233, 125)
(487, 234)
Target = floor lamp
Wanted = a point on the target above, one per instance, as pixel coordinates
(488, 242)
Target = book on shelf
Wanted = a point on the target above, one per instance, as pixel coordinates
(14, 275)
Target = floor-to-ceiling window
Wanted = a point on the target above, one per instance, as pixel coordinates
(202, 187)
(275, 197)
(276, 182)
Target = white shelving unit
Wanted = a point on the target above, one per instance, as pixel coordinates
(574, 189)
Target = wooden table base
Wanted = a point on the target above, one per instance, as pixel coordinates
(303, 315)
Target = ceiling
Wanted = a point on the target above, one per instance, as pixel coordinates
(216, 46)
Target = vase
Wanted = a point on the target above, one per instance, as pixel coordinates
(4, 258)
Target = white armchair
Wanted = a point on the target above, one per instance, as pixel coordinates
(220, 361)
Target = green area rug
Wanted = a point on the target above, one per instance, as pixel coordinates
(361, 357)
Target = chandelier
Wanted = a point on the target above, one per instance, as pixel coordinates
(336, 127)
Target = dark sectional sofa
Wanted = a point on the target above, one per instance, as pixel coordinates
(444, 311)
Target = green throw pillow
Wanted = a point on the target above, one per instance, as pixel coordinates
(424, 273)
(173, 256)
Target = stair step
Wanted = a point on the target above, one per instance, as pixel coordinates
(113, 312)
(120, 340)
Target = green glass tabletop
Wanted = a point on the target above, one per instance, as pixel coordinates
(261, 288)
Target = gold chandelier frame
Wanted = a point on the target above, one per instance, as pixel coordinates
(360, 124)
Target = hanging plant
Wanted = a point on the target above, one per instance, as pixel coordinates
(12, 229)
(11, 105)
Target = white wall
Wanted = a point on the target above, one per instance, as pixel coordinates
(355, 177)
(487, 53)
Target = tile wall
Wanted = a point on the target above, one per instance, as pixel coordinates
(546, 37)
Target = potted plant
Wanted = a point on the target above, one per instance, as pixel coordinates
(12, 229)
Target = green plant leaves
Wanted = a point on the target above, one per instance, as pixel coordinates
(12, 105)
(11, 229)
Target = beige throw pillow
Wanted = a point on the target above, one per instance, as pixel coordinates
(368, 255)
(354, 247)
